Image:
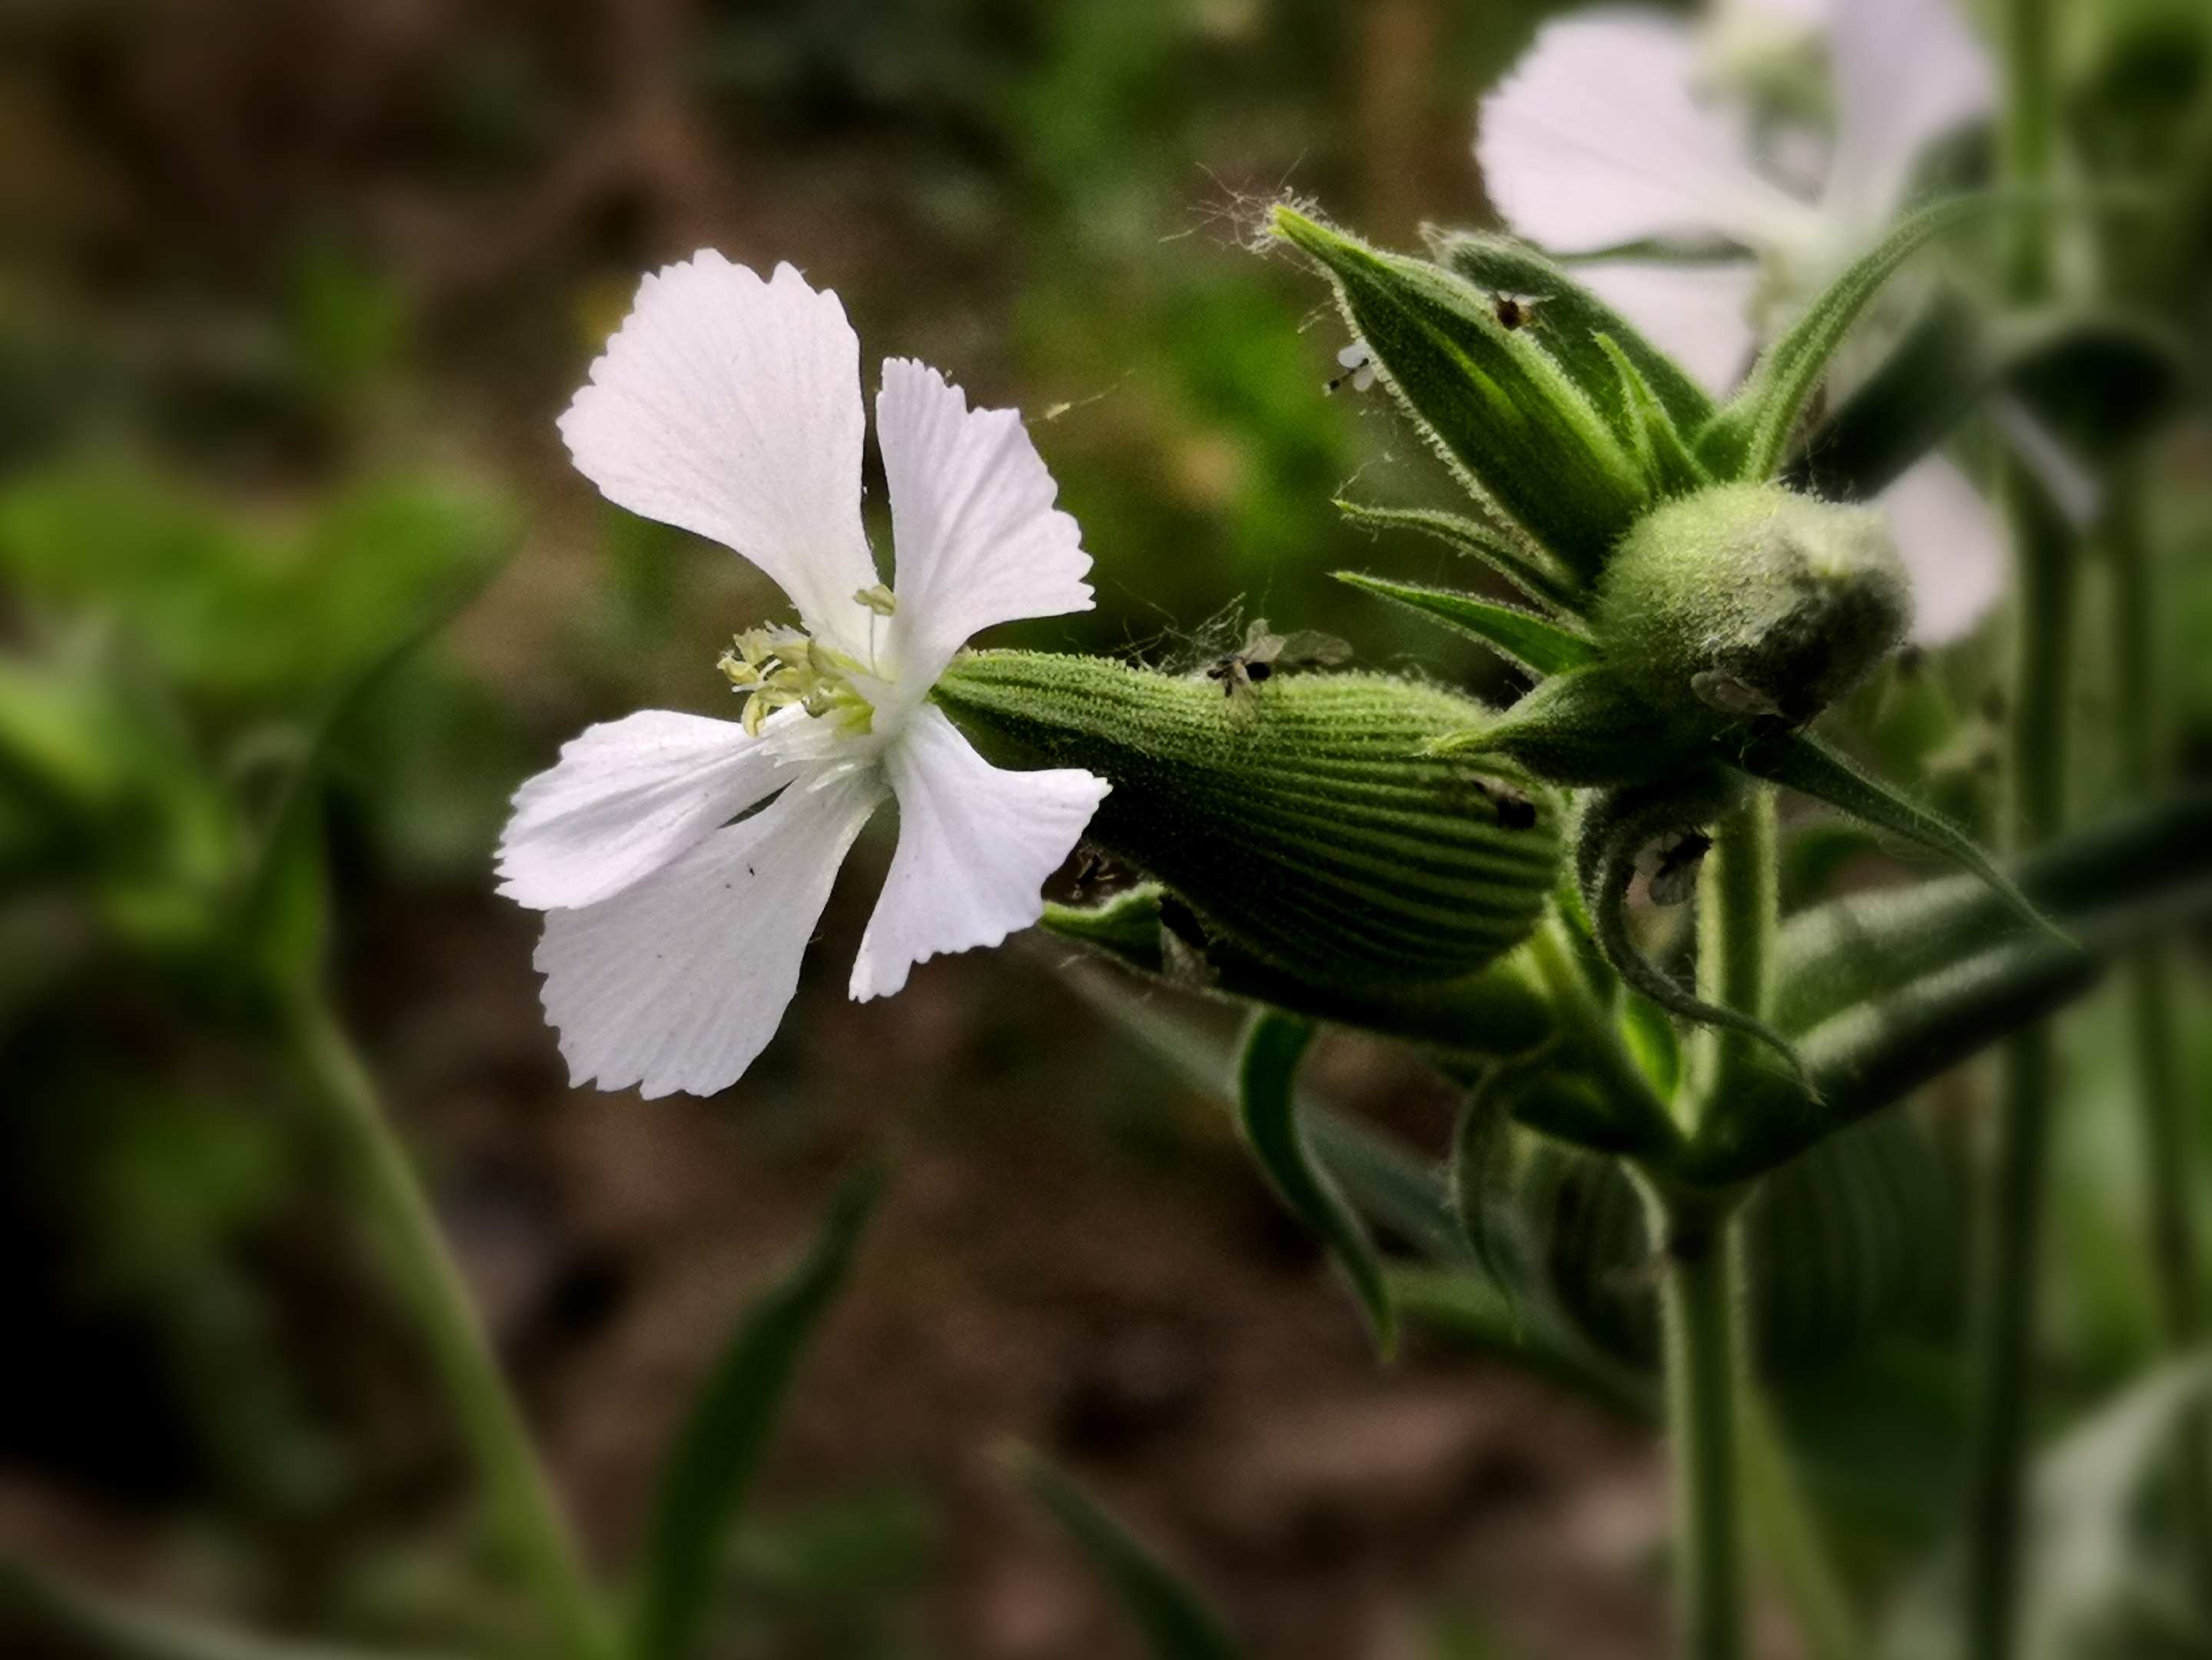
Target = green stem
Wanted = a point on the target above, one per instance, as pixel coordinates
(2027, 141)
(1702, 1303)
(2012, 1214)
(2169, 1159)
(1738, 894)
(425, 1275)
(1599, 1039)
(2008, 1263)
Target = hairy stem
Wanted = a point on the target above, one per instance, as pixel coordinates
(1703, 1304)
(424, 1273)
(1737, 897)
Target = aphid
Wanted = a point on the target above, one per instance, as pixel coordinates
(1262, 654)
(1731, 695)
(1183, 955)
(1670, 866)
(1514, 310)
(1516, 810)
(1359, 368)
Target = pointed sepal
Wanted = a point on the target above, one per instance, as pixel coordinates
(1497, 406)
(1747, 439)
(1535, 573)
(1585, 726)
(1543, 647)
(1566, 319)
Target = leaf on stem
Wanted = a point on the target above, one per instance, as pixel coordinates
(1525, 638)
(1747, 439)
(710, 1467)
(1177, 1623)
(1266, 1112)
(1805, 764)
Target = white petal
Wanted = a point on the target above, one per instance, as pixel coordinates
(978, 539)
(732, 407)
(680, 980)
(1907, 72)
(974, 847)
(625, 798)
(1951, 544)
(1698, 314)
(1596, 140)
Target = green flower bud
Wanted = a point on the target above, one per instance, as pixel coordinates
(1748, 602)
(1301, 819)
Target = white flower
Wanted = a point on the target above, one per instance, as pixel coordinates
(683, 862)
(1610, 133)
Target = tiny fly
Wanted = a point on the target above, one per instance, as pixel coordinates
(1359, 368)
(1671, 865)
(1514, 310)
(1515, 809)
(1263, 654)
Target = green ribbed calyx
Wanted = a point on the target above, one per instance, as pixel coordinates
(1750, 602)
(1304, 821)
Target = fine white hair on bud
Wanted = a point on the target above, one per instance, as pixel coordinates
(682, 863)
(1750, 603)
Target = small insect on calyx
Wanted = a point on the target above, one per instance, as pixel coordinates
(1359, 368)
(1670, 866)
(1263, 654)
(1515, 809)
(1514, 310)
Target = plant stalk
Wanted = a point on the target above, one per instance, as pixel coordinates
(2007, 1265)
(1702, 1303)
(423, 1272)
(2169, 1158)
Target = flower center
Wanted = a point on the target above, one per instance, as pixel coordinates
(777, 667)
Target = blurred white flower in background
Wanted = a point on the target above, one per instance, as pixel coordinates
(1781, 135)
(683, 862)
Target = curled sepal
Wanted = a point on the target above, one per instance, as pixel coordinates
(1484, 1162)
(1798, 761)
(1495, 403)
(1528, 640)
(1747, 439)
(1617, 826)
(1302, 821)
(1266, 1112)
(1493, 1013)
(1535, 575)
(1587, 726)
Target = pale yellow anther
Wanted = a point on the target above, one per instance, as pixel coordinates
(879, 600)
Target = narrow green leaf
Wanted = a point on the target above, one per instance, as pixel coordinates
(1669, 461)
(1942, 367)
(1526, 639)
(1567, 320)
(1498, 406)
(1805, 764)
(1862, 947)
(710, 1467)
(1177, 1623)
(1532, 573)
(1747, 440)
(116, 1630)
(1266, 1112)
(1482, 1168)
